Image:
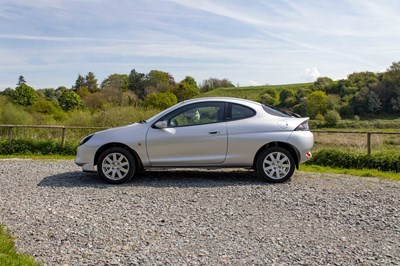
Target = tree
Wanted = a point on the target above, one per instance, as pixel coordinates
(184, 91)
(191, 81)
(286, 97)
(322, 83)
(137, 84)
(21, 80)
(116, 82)
(316, 104)
(80, 82)
(158, 81)
(373, 103)
(25, 95)
(69, 100)
(161, 100)
(213, 83)
(91, 82)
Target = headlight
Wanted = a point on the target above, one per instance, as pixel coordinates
(85, 139)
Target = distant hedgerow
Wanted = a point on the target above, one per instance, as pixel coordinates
(384, 161)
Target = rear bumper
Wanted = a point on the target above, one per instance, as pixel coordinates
(303, 141)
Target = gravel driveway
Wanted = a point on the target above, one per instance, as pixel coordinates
(62, 216)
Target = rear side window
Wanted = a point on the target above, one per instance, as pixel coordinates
(274, 112)
(237, 111)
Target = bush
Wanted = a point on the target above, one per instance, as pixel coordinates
(38, 147)
(15, 115)
(384, 161)
(332, 118)
(160, 100)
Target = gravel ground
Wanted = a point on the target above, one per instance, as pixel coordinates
(62, 216)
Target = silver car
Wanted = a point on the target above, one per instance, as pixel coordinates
(202, 133)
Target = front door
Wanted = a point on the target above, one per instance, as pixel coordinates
(196, 135)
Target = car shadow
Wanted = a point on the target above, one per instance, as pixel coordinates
(158, 178)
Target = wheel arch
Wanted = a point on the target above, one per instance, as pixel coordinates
(290, 148)
(138, 161)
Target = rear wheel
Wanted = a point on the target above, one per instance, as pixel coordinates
(116, 165)
(275, 165)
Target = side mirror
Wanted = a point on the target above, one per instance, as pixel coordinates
(161, 124)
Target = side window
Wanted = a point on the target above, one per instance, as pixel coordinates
(237, 111)
(197, 114)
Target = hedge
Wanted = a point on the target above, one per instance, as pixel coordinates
(384, 161)
(38, 147)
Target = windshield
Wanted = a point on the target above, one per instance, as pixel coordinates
(274, 112)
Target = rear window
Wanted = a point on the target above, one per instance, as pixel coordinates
(237, 111)
(274, 112)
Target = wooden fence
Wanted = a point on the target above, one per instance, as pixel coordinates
(62, 130)
(83, 131)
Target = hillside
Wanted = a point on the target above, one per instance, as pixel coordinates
(252, 92)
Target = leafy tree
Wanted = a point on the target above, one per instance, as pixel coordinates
(8, 92)
(322, 83)
(213, 83)
(333, 102)
(158, 81)
(137, 83)
(161, 100)
(25, 95)
(316, 103)
(191, 81)
(83, 92)
(374, 103)
(184, 91)
(392, 74)
(21, 80)
(69, 100)
(285, 94)
(116, 82)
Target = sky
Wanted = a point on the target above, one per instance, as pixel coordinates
(254, 42)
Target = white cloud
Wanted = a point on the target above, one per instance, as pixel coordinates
(311, 74)
(254, 83)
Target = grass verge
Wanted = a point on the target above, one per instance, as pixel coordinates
(356, 172)
(38, 157)
(8, 254)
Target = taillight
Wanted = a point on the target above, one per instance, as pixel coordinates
(303, 127)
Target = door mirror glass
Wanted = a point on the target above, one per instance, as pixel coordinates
(161, 124)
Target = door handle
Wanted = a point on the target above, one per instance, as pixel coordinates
(213, 132)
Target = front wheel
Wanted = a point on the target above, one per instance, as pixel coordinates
(116, 165)
(275, 164)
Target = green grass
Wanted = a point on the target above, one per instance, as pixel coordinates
(8, 254)
(38, 157)
(250, 93)
(356, 172)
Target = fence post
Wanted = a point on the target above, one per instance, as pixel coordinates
(63, 137)
(9, 134)
(369, 142)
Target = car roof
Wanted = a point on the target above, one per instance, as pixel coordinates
(225, 99)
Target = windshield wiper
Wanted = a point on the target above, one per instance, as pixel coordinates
(142, 121)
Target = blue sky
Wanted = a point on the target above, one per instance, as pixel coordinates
(50, 42)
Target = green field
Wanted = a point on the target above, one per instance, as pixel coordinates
(250, 93)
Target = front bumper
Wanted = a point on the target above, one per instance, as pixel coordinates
(85, 158)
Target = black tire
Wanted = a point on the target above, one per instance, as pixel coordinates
(276, 165)
(116, 165)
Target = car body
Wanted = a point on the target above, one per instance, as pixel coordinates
(215, 132)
